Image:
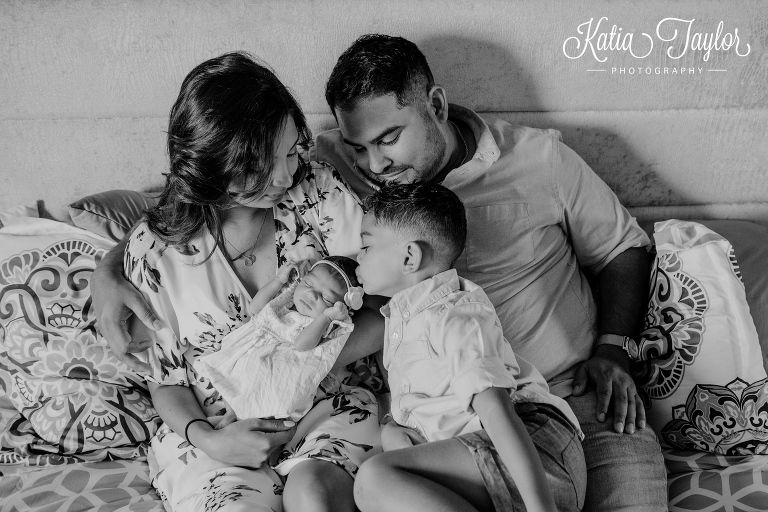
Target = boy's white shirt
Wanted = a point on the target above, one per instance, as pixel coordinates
(444, 344)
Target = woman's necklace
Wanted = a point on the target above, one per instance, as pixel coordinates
(247, 255)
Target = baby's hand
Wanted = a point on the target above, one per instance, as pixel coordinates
(336, 312)
(395, 437)
(284, 272)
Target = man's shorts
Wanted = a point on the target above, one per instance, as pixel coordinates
(559, 449)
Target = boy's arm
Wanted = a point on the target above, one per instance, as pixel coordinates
(514, 445)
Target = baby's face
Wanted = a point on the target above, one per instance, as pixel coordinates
(318, 291)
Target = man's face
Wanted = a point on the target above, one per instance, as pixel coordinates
(380, 269)
(392, 143)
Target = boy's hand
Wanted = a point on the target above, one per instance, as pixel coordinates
(336, 312)
(284, 272)
(395, 437)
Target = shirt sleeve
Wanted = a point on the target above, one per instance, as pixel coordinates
(599, 227)
(470, 340)
(321, 216)
(145, 266)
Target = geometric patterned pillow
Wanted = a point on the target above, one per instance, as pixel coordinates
(700, 372)
(75, 397)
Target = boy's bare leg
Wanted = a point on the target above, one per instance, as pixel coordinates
(438, 476)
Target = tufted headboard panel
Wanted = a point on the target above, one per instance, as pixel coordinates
(675, 130)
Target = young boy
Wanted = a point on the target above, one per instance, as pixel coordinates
(497, 439)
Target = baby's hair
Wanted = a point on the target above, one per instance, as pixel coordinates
(427, 210)
(348, 265)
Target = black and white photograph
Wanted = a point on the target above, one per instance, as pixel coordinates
(383, 255)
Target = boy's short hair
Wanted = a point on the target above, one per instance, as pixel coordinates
(430, 211)
(378, 65)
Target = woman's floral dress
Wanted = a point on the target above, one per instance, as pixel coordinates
(202, 304)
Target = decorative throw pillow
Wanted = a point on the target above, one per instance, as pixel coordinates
(110, 214)
(700, 371)
(75, 397)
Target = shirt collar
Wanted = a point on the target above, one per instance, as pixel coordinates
(420, 296)
(487, 151)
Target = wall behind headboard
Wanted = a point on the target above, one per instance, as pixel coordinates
(86, 86)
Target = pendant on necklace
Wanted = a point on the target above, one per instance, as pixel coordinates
(249, 260)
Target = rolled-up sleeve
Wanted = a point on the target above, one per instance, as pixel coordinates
(470, 339)
(599, 227)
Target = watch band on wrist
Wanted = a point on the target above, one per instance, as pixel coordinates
(625, 342)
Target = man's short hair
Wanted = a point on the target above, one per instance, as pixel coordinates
(378, 65)
(430, 212)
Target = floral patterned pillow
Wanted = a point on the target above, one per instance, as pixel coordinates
(700, 371)
(75, 397)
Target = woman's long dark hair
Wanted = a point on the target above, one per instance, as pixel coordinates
(222, 133)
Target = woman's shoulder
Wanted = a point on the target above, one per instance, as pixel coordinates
(321, 177)
(144, 244)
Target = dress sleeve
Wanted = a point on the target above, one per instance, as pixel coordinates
(470, 340)
(599, 227)
(147, 267)
(321, 216)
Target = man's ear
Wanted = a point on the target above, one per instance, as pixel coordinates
(413, 257)
(438, 103)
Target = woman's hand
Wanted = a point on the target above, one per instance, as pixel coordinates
(115, 300)
(246, 443)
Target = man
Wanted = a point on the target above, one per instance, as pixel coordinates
(536, 215)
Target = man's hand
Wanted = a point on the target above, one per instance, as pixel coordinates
(115, 300)
(608, 368)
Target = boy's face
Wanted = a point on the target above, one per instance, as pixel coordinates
(318, 291)
(380, 269)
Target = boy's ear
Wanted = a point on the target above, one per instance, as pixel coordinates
(412, 258)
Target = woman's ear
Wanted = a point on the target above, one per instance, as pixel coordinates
(413, 257)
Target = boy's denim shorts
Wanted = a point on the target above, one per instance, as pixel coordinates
(559, 449)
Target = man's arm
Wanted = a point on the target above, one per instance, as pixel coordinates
(514, 445)
(622, 295)
(368, 335)
(115, 300)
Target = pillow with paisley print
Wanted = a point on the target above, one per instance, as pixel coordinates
(700, 372)
(75, 398)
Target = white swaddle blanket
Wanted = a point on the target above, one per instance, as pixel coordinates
(258, 371)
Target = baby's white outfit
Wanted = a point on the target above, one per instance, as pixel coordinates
(260, 373)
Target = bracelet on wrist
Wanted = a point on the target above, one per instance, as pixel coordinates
(186, 429)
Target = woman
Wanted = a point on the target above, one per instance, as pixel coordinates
(238, 202)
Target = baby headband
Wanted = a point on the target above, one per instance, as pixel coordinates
(354, 296)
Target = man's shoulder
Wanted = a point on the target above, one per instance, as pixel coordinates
(513, 133)
(330, 149)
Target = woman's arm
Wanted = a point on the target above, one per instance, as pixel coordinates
(247, 443)
(115, 301)
(514, 445)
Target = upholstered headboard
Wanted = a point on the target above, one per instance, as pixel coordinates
(676, 131)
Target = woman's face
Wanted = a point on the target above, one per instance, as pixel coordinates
(286, 162)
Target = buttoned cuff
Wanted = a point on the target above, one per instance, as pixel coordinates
(479, 375)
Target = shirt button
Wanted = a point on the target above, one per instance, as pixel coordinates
(395, 336)
(406, 314)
